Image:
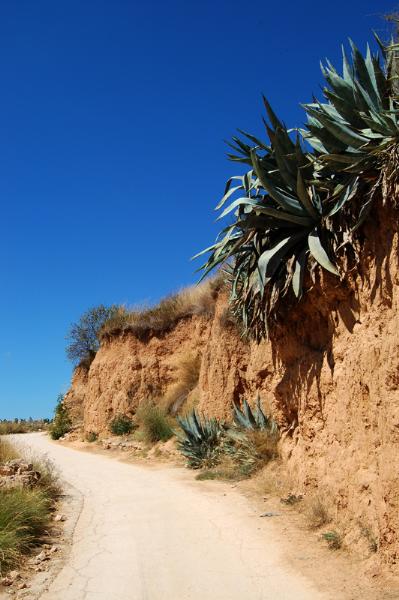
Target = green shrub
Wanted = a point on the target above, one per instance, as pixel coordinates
(333, 539)
(154, 423)
(121, 425)
(83, 336)
(62, 423)
(91, 436)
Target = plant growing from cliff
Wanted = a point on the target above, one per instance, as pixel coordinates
(121, 425)
(62, 422)
(83, 336)
(296, 209)
(201, 440)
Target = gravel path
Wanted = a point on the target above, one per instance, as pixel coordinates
(148, 533)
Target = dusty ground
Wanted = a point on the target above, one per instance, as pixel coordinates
(154, 533)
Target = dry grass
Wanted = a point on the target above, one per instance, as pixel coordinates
(24, 512)
(226, 470)
(7, 451)
(22, 426)
(187, 373)
(195, 300)
(316, 511)
(252, 450)
(154, 423)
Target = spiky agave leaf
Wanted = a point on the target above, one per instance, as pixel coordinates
(247, 418)
(282, 217)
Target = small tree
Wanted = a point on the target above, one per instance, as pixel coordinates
(62, 422)
(83, 335)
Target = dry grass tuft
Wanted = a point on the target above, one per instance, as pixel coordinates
(23, 426)
(316, 511)
(226, 470)
(187, 374)
(195, 300)
(25, 512)
(7, 451)
(154, 424)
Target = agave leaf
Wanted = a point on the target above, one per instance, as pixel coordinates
(363, 74)
(319, 253)
(276, 123)
(244, 201)
(270, 259)
(380, 44)
(282, 215)
(341, 131)
(227, 195)
(304, 197)
(299, 273)
(255, 140)
(288, 203)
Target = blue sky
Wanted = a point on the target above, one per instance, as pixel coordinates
(112, 121)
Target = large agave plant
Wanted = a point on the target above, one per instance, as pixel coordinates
(282, 217)
(356, 131)
(200, 441)
(295, 209)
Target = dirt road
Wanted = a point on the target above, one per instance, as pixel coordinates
(153, 534)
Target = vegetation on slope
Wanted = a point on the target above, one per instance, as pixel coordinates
(297, 209)
(23, 425)
(62, 423)
(199, 300)
(24, 511)
(83, 336)
(230, 451)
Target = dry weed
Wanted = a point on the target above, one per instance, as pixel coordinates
(316, 511)
(187, 375)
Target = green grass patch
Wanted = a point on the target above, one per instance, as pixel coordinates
(24, 518)
(155, 425)
(25, 513)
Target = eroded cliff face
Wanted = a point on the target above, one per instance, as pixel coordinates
(127, 371)
(329, 375)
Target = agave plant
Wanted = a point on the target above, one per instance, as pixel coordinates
(247, 418)
(297, 209)
(201, 440)
(283, 217)
(356, 131)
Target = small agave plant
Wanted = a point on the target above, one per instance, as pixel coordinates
(297, 209)
(200, 441)
(246, 418)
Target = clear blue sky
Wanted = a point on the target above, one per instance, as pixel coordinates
(112, 121)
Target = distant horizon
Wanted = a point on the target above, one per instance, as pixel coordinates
(113, 155)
